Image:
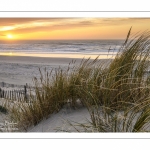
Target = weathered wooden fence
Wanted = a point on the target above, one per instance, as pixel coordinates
(15, 95)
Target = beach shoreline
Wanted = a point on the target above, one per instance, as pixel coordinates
(103, 55)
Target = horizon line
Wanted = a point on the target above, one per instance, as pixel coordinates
(57, 39)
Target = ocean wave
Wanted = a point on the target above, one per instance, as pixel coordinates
(97, 46)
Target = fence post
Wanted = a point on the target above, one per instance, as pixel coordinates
(2, 84)
(25, 92)
(10, 95)
(0, 92)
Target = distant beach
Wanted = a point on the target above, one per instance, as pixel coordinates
(21, 69)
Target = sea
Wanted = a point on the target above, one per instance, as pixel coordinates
(98, 47)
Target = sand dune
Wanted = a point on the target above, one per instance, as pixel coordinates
(60, 122)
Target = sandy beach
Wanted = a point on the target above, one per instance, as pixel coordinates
(20, 70)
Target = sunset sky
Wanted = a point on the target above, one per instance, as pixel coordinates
(69, 28)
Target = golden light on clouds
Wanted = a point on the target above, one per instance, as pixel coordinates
(69, 28)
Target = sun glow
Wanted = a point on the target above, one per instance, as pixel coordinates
(9, 36)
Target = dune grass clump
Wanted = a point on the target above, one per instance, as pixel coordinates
(118, 88)
(131, 119)
(127, 72)
(50, 94)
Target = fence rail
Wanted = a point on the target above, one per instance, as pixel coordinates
(3, 84)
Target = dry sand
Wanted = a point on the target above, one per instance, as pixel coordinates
(60, 122)
(20, 70)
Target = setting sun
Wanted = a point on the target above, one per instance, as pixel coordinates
(9, 36)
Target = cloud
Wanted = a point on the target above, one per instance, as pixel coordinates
(85, 23)
(40, 24)
(29, 25)
(13, 21)
(2, 35)
(119, 21)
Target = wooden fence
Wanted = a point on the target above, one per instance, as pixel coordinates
(15, 95)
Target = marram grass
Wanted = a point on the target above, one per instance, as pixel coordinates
(117, 95)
